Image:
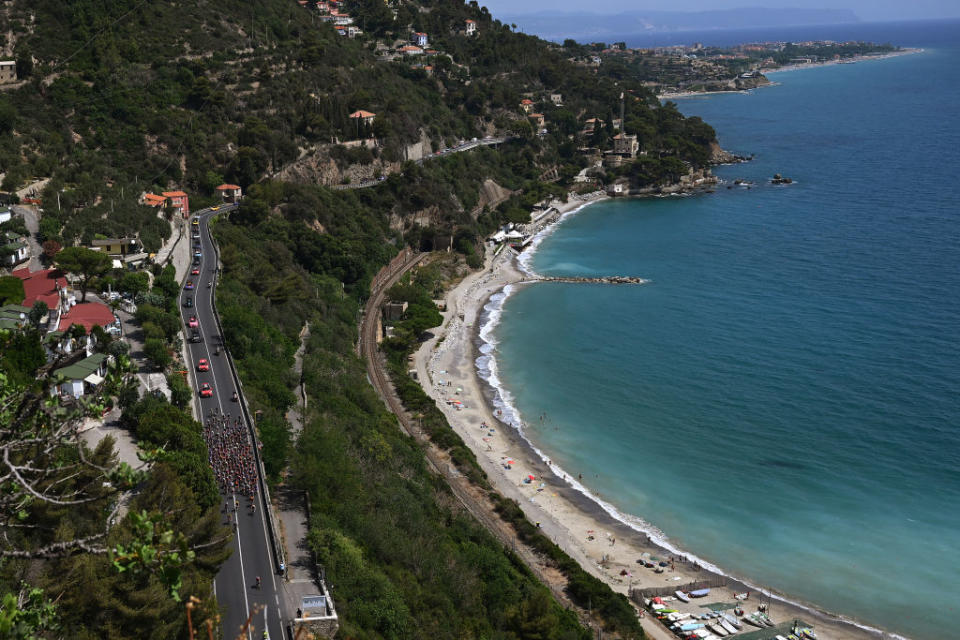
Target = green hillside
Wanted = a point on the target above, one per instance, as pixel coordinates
(117, 97)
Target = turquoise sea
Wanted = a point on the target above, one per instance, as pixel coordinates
(783, 399)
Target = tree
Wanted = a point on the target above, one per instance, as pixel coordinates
(51, 248)
(23, 615)
(11, 290)
(156, 351)
(84, 263)
(39, 310)
(134, 282)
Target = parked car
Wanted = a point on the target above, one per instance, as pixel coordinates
(195, 271)
(188, 302)
(195, 222)
(195, 336)
(188, 286)
(203, 365)
(192, 322)
(206, 391)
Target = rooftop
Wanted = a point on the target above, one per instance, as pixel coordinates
(108, 241)
(13, 316)
(41, 285)
(82, 369)
(362, 114)
(87, 314)
(228, 187)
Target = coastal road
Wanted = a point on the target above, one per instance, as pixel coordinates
(466, 146)
(235, 584)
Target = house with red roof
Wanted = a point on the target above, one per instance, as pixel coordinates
(89, 315)
(471, 28)
(180, 202)
(152, 200)
(526, 105)
(366, 117)
(419, 38)
(230, 192)
(48, 286)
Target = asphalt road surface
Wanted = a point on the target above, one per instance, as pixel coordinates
(235, 585)
(31, 220)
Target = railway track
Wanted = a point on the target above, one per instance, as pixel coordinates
(469, 496)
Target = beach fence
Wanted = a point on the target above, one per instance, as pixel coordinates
(638, 595)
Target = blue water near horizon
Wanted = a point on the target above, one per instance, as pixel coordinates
(783, 399)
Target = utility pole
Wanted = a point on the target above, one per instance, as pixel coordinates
(623, 129)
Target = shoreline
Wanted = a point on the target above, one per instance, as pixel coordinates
(602, 539)
(675, 95)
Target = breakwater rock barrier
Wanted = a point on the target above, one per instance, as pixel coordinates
(600, 280)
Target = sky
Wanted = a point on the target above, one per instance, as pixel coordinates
(866, 10)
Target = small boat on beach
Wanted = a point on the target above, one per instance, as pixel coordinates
(727, 626)
(718, 629)
(765, 619)
(699, 593)
(755, 621)
(780, 638)
(682, 596)
(732, 621)
(806, 632)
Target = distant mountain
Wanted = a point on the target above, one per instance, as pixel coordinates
(582, 25)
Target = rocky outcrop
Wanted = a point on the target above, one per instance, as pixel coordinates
(601, 280)
(719, 155)
(757, 80)
(317, 167)
(491, 195)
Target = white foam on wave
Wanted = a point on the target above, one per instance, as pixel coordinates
(487, 363)
(503, 400)
(526, 258)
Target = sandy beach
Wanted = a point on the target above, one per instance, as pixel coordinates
(586, 529)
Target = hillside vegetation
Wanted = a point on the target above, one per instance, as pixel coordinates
(124, 96)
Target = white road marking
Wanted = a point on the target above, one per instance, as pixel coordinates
(203, 417)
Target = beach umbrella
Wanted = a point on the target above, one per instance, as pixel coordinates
(529, 477)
